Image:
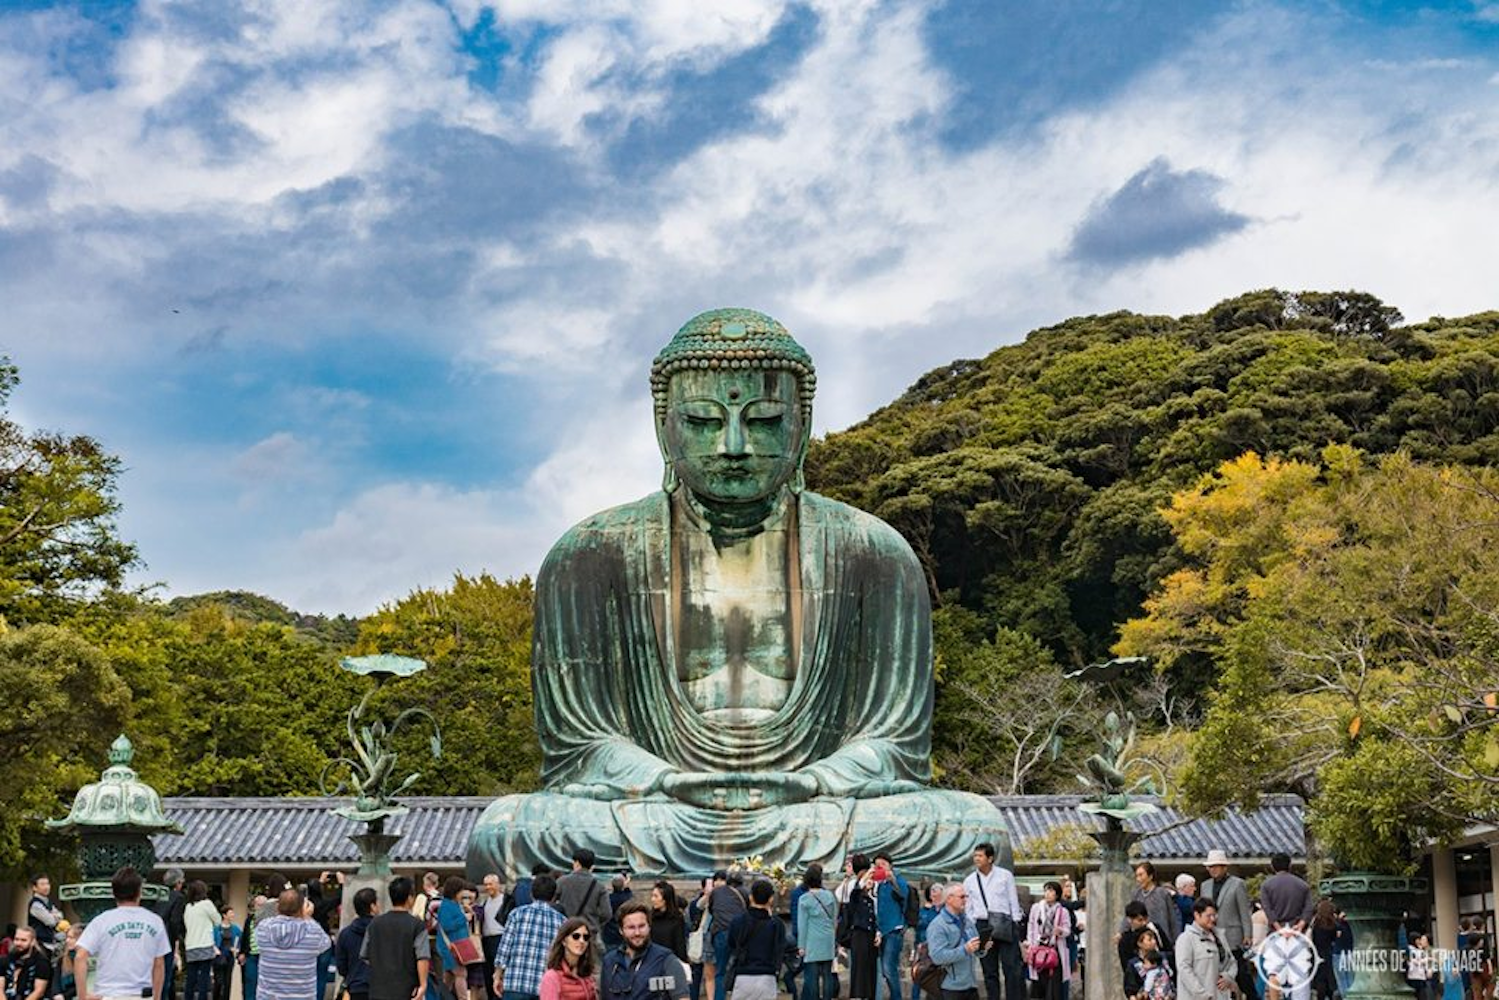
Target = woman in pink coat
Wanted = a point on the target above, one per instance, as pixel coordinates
(1046, 936)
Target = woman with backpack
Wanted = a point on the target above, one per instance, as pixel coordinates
(1047, 963)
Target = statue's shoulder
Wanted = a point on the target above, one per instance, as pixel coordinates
(855, 525)
(609, 529)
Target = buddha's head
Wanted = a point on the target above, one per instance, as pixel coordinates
(733, 396)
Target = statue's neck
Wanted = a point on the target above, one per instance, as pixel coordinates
(730, 522)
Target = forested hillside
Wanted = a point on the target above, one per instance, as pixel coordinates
(1030, 482)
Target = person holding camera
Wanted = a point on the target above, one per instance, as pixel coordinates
(952, 939)
(638, 968)
(994, 907)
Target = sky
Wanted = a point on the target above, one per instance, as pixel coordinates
(366, 294)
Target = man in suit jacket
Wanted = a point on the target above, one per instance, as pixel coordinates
(1231, 896)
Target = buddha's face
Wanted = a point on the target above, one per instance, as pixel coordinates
(733, 436)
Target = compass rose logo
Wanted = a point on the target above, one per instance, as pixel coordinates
(1288, 956)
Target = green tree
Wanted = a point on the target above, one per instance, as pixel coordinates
(66, 704)
(58, 539)
(476, 636)
(224, 706)
(1348, 611)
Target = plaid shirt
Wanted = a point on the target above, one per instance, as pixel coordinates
(527, 938)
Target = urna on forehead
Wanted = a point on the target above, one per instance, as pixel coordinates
(732, 340)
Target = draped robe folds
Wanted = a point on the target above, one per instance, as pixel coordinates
(613, 720)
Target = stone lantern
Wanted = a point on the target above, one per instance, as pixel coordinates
(115, 818)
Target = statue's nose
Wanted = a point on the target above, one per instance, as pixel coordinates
(734, 437)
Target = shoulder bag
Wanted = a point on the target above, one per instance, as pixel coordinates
(697, 941)
(1001, 925)
(465, 950)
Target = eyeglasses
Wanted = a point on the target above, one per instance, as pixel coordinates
(580, 935)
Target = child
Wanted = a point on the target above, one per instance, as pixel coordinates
(1156, 978)
(1134, 971)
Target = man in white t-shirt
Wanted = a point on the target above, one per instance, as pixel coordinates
(130, 944)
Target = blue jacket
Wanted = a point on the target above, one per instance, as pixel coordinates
(624, 979)
(453, 923)
(891, 905)
(354, 970)
(945, 938)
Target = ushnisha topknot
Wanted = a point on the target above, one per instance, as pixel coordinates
(733, 338)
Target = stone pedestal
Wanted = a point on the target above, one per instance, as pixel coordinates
(353, 883)
(1374, 904)
(374, 869)
(1109, 889)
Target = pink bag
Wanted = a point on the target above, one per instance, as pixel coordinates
(1044, 958)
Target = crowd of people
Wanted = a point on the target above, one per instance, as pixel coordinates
(874, 935)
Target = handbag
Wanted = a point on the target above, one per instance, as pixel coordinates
(465, 950)
(927, 974)
(1043, 958)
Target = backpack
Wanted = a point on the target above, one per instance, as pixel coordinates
(910, 903)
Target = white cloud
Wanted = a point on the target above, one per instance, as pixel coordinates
(280, 456)
(839, 209)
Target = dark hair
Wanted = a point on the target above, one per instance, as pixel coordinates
(126, 885)
(673, 905)
(762, 892)
(453, 886)
(885, 856)
(541, 869)
(197, 891)
(860, 863)
(1149, 868)
(37, 878)
(812, 877)
(543, 888)
(1203, 905)
(628, 907)
(275, 884)
(364, 901)
(584, 857)
(400, 890)
(1152, 956)
(555, 953)
(985, 849)
(1326, 916)
(1054, 886)
(1280, 862)
(1135, 908)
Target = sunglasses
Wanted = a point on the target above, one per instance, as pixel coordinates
(580, 936)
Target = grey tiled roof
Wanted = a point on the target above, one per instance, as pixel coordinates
(296, 833)
(1275, 827)
(300, 832)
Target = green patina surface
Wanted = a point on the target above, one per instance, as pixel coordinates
(733, 666)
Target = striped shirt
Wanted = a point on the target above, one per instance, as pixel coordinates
(289, 947)
(528, 936)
